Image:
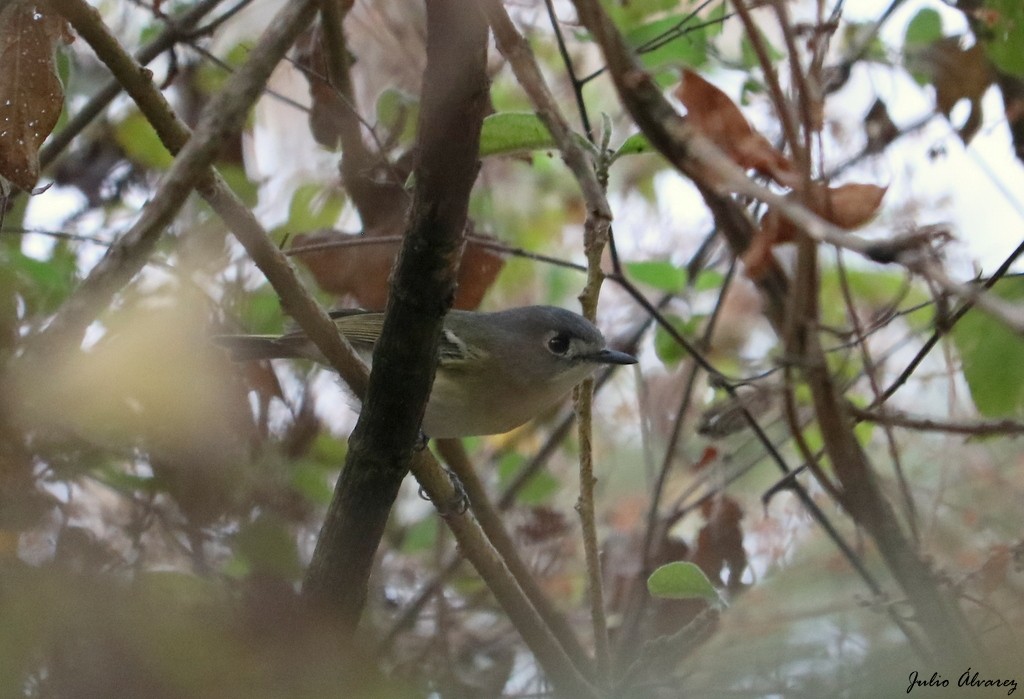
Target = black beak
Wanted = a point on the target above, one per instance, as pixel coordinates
(610, 356)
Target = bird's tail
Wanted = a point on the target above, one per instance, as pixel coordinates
(247, 348)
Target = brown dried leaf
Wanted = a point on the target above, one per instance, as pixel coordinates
(851, 205)
(362, 270)
(325, 115)
(848, 206)
(31, 96)
(775, 229)
(715, 115)
(720, 541)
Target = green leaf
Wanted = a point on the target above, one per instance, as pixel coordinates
(397, 112)
(513, 132)
(126, 482)
(627, 14)
(660, 274)
(312, 208)
(1005, 43)
(875, 289)
(138, 139)
(992, 356)
(665, 276)
(681, 580)
(750, 87)
(42, 284)
(330, 450)
(537, 490)
(421, 536)
(261, 312)
(267, 546)
(749, 53)
(240, 183)
(715, 20)
(666, 347)
(634, 145)
(923, 29)
(670, 42)
(709, 279)
(308, 479)
(862, 430)
(211, 77)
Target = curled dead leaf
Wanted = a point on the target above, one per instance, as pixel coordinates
(715, 115)
(850, 206)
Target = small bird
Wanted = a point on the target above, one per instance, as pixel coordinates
(495, 371)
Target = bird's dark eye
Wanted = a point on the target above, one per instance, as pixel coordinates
(559, 344)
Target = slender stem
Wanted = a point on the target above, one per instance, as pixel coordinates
(454, 454)
(577, 85)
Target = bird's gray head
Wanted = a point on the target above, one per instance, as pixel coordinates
(542, 342)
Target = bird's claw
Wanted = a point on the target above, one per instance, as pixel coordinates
(459, 502)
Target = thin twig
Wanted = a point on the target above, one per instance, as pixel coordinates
(871, 371)
(930, 343)
(577, 85)
(782, 108)
(972, 428)
(653, 528)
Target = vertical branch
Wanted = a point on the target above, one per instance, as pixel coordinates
(595, 239)
(871, 372)
(597, 230)
(423, 284)
(577, 84)
(782, 108)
